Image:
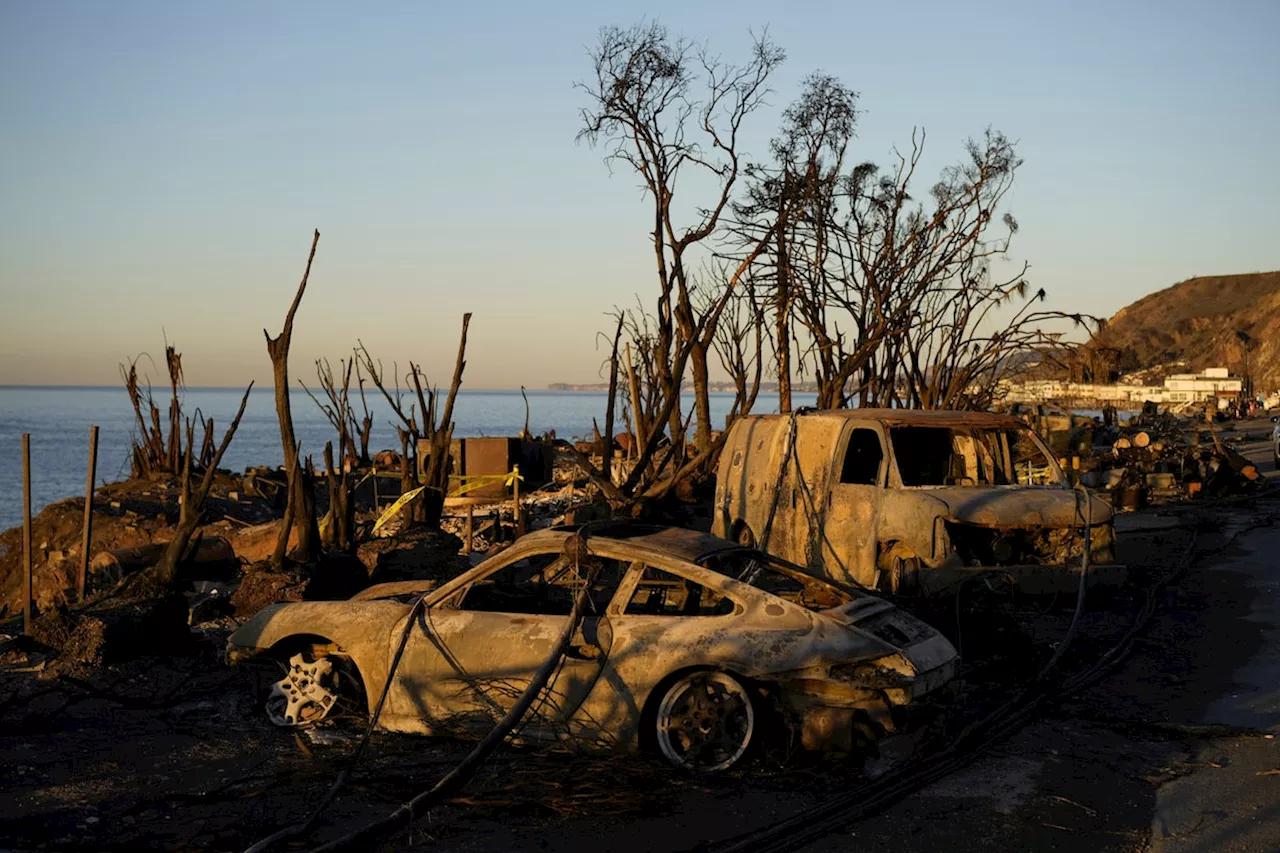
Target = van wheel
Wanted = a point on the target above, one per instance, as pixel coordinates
(899, 569)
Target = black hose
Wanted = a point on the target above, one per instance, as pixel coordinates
(1087, 521)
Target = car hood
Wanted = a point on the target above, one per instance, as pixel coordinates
(1026, 507)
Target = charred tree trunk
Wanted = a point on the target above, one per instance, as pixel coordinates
(437, 471)
(339, 531)
(606, 447)
(782, 309)
(408, 475)
(701, 395)
(193, 501)
(302, 507)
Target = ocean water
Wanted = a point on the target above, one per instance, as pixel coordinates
(58, 421)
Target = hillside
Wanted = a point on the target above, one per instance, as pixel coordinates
(1198, 322)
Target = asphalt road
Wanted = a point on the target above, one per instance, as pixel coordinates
(1175, 752)
(1233, 802)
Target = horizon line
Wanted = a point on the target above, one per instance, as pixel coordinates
(85, 387)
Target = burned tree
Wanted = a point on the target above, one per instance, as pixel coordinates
(337, 528)
(365, 429)
(666, 108)
(795, 197)
(153, 453)
(956, 326)
(894, 302)
(437, 432)
(193, 498)
(440, 434)
(336, 406)
(739, 344)
(301, 507)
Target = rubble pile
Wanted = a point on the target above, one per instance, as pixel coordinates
(494, 524)
(1160, 458)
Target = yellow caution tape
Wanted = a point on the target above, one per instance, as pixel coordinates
(390, 511)
(474, 481)
(471, 482)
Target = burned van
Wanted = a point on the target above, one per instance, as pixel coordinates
(911, 502)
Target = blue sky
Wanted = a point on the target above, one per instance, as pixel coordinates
(164, 163)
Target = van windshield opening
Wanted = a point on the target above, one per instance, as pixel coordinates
(972, 456)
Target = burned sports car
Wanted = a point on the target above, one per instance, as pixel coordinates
(911, 502)
(693, 647)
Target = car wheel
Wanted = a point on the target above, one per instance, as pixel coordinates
(705, 722)
(313, 688)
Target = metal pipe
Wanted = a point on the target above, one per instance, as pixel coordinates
(26, 533)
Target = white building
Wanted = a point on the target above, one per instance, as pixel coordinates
(1196, 387)
(1179, 388)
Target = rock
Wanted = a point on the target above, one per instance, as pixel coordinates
(54, 584)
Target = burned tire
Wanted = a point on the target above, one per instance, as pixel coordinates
(899, 569)
(705, 722)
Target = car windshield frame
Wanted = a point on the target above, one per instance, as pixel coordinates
(973, 456)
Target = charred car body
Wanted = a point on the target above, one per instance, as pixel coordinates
(912, 502)
(691, 647)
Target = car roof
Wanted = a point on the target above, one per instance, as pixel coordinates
(690, 545)
(911, 417)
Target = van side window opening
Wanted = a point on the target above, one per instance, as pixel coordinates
(862, 458)
(923, 455)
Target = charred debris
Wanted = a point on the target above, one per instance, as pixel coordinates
(807, 263)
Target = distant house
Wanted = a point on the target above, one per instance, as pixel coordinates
(1178, 388)
(1196, 387)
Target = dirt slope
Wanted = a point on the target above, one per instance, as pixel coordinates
(1197, 321)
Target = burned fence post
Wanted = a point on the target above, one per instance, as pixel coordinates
(516, 520)
(26, 533)
(83, 571)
